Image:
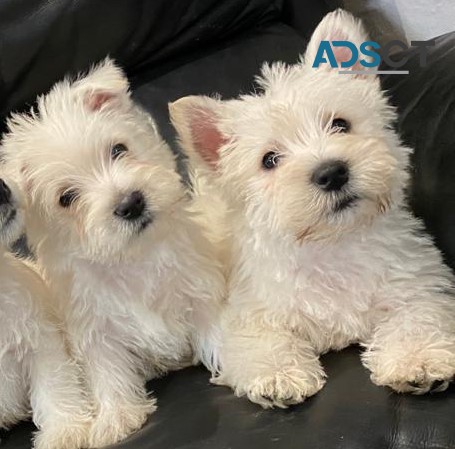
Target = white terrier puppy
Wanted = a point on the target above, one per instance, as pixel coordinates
(325, 252)
(111, 224)
(36, 373)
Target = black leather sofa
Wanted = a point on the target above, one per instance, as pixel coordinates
(172, 48)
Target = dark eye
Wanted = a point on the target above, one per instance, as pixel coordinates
(270, 160)
(68, 197)
(340, 125)
(118, 150)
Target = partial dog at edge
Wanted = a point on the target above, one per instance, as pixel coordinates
(325, 252)
(37, 376)
(111, 224)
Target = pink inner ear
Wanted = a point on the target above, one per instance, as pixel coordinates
(96, 100)
(206, 137)
(343, 54)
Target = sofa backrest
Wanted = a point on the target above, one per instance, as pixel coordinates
(42, 40)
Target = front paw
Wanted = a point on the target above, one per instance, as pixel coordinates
(63, 435)
(279, 389)
(416, 372)
(117, 422)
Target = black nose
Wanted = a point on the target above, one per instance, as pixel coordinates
(5, 193)
(131, 207)
(331, 175)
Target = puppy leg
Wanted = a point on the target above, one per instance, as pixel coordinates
(14, 405)
(60, 409)
(206, 335)
(414, 349)
(271, 367)
(117, 384)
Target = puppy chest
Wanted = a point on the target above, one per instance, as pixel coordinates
(134, 292)
(325, 292)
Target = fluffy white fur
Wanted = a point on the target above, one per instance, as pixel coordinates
(310, 274)
(37, 377)
(138, 297)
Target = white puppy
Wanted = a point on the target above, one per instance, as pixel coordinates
(325, 252)
(111, 224)
(36, 373)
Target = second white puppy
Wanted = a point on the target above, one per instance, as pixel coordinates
(36, 374)
(325, 252)
(111, 225)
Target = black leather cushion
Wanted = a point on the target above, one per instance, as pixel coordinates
(40, 41)
(426, 103)
(350, 412)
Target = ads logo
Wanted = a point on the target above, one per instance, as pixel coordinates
(366, 59)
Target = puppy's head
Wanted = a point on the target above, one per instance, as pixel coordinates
(98, 175)
(11, 211)
(314, 155)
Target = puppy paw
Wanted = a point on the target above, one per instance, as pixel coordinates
(62, 435)
(417, 373)
(279, 389)
(118, 422)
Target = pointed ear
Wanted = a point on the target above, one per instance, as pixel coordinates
(338, 25)
(104, 86)
(197, 121)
